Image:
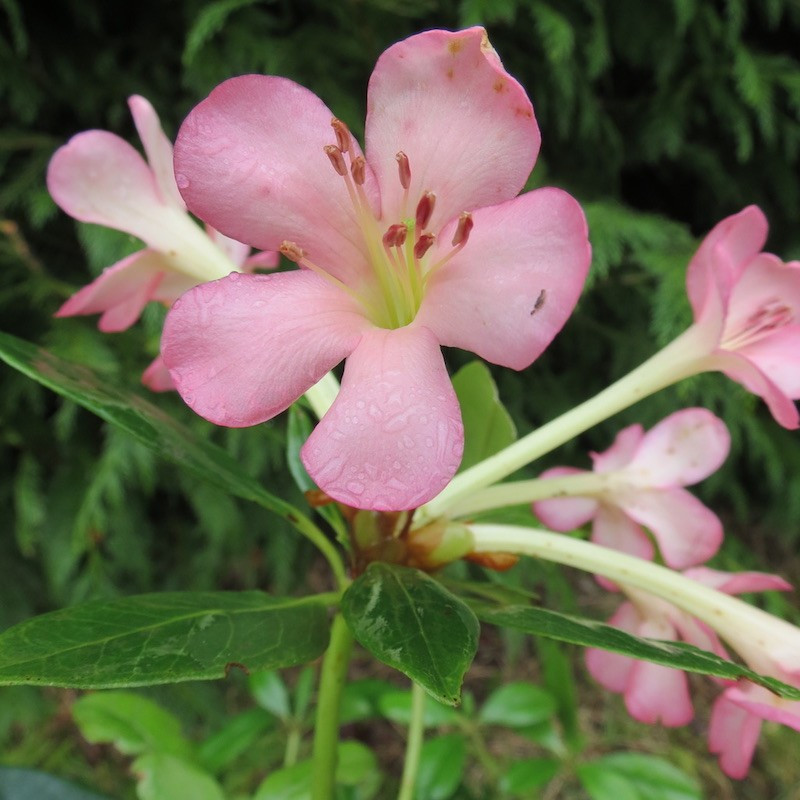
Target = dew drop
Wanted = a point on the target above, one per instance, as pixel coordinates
(177, 304)
(355, 487)
(234, 276)
(182, 181)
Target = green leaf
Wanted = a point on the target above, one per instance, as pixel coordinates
(28, 784)
(166, 777)
(237, 736)
(270, 692)
(589, 633)
(488, 427)
(517, 705)
(396, 707)
(131, 722)
(441, 765)
(361, 699)
(635, 776)
(525, 776)
(162, 638)
(412, 623)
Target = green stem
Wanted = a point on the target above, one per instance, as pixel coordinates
(416, 733)
(308, 529)
(293, 740)
(683, 357)
(326, 730)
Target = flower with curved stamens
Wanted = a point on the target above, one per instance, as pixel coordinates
(418, 242)
(98, 177)
(639, 483)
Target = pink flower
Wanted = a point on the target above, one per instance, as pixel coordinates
(654, 693)
(639, 483)
(420, 242)
(98, 177)
(747, 311)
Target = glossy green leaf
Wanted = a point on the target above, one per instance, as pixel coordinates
(166, 777)
(589, 633)
(636, 776)
(525, 776)
(488, 427)
(396, 707)
(441, 766)
(237, 736)
(517, 705)
(412, 623)
(29, 784)
(132, 723)
(162, 638)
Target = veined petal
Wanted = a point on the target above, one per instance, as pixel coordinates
(687, 532)
(465, 124)
(778, 357)
(682, 449)
(564, 513)
(738, 582)
(393, 438)
(157, 378)
(158, 148)
(765, 705)
(242, 349)
(621, 451)
(614, 529)
(658, 694)
(120, 292)
(515, 283)
(249, 160)
(732, 735)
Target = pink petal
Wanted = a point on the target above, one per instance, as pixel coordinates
(157, 378)
(682, 449)
(658, 694)
(694, 632)
(243, 348)
(564, 513)
(778, 357)
(765, 705)
(621, 451)
(237, 252)
(265, 259)
(687, 532)
(158, 149)
(738, 582)
(249, 160)
(393, 438)
(467, 127)
(732, 735)
(740, 369)
(515, 283)
(614, 529)
(120, 292)
(613, 670)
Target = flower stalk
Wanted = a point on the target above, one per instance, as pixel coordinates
(416, 733)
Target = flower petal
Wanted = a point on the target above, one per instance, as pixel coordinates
(564, 513)
(158, 149)
(766, 705)
(687, 532)
(466, 125)
(515, 283)
(249, 160)
(242, 349)
(613, 670)
(682, 449)
(614, 529)
(393, 438)
(778, 357)
(157, 378)
(621, 451)
(658, 694)
(120, 292)
(738, 582)
(732, 735)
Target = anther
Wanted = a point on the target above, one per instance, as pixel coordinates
(358, 169)
(404, 169)
(342, 134)
(337, 159)
(423, 244)
(395, 236)
(292, 251)
(425, 210)
(465, 225)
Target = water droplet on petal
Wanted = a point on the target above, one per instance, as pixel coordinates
(234, 276)
(182, 181)
(355, 487)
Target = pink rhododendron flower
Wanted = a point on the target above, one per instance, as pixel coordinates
(654, 693)
(98, 177)
(639, 483)
(418, 242)
(747, 311)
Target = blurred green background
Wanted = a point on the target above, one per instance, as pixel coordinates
(661, 117)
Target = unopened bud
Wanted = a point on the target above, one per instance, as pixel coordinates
(337, 159)
(358, 170)
(439, 543)
(404, 169)
(465, 225)
(395, 236)
(423, 244)
(424, 210)
(343, 138)
(292, 251)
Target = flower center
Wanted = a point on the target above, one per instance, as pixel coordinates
(771, 315)
(400, 266)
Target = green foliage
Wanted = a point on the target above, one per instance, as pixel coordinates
(634, 776)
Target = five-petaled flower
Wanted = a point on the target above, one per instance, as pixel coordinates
(638, 482)
(419, 242)
(98, 177)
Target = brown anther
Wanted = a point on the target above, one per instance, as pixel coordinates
(404, 169)
(395, 236)
(292, 251)
(423, 244)
(358, 169)
(342, 132)
(425, 210)
(337, 159)
(465, 225)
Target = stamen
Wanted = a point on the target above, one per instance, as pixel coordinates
(424, 243)
(337, 159)
(425, 210)
(404, 169)
(295, 253)
(358, 169)
(465, 225)
(292, 251)
(343, 138)
(395, 236)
